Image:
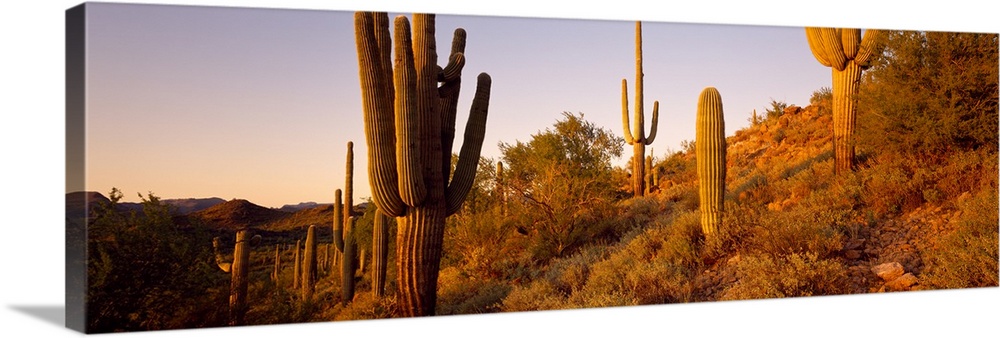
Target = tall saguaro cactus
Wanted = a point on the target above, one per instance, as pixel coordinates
(847, 53)
(637, 137)
(710, 154)
(380, 252)
(343, 230)
(239, 271)
(309, 265)
(409, 114)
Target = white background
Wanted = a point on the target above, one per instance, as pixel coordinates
(32, 192)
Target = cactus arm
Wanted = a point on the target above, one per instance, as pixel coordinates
(219, 260)
(815, 39)
(834, 47)
(868, 46)
(451, 79)
(652, 129)
(349, 182)
(850, 38)
(377, 102)
(625, 122)
(472, 145)
(411, 185)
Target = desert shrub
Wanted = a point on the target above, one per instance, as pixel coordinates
(776, 110)
(366, 306)
(147, 273)
(967, 257)
(792, 275)
(561, 188)
(930, 92)
(459, 293)
(812, 229)
(568, 275)
(889, 186)
(538, 295)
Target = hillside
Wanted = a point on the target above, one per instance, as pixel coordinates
(238, 213)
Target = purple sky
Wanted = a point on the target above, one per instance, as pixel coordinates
(259, 103)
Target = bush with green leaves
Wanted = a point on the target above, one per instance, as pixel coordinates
(145, 272)
(931, 92)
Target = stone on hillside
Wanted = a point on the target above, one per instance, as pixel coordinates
(888, 271)
(852, 254)
(902, 283)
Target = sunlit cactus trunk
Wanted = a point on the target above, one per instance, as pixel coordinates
(637, 137)
(846, 52)
(710, 152)
(277, 264)
(239, 271)
(409, 114)
(343, 230)
(380, 252)
(297, 266)
(309, 265)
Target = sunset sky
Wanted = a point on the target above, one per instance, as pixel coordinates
(259, 104)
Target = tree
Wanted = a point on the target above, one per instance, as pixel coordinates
(147, 273)
(931, 92)
(562, 182)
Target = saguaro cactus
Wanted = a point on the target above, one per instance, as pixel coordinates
(637, 138)
(343, 230)
(650, 178)
(239, 270)
(409, 129)
(710, 152)
(277, 263)
(380, 252)
(309, 265)
(499, 190)
(297, 269)
(847, 54)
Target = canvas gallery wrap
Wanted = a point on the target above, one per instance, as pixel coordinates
(244, 166)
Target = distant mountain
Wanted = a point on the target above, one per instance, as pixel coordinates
(238, 213)
(301, 206)
(184, 206)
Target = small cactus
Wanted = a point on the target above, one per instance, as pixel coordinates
(239, 270)
(297, 270)
(637, 138)
(343, 230)
(710, 154)
(277, 263)
(499, 190)
(309, 265)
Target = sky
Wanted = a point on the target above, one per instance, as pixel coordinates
(259, 104)
(32, 135)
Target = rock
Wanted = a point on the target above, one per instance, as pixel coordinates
(901, 283)
(852, 254)
(888, 271)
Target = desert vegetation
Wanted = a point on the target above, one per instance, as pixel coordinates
(799, 203)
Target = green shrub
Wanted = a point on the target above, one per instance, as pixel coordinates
(793, 275)
(458, 293)
(967, 257)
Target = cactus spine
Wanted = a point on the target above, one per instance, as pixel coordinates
(639, 140)
(847, 54)
(239, 271)
(710, 152)
(309, 265)
(409, 129)
(380, 252)
(343, 230)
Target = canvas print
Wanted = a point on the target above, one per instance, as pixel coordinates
(243, 166)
